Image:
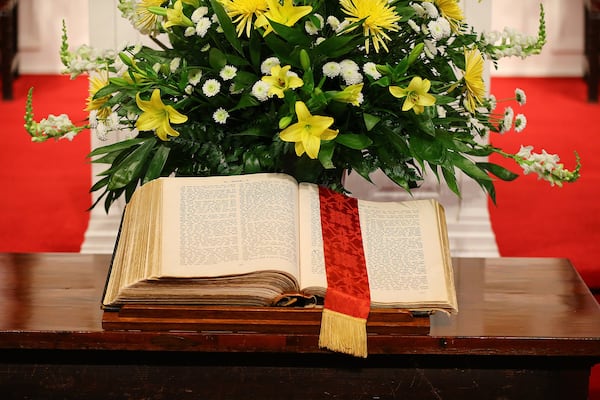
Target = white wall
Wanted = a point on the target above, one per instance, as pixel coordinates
(563, 53)
(40, 32)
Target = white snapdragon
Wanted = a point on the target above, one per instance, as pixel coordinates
(265, 66)
(199, 13)
(228, 72)
(211, 87)
(220, 115)
(370, 68)
(545, 165)
(260, 90)
(332, 69)
(156, 67)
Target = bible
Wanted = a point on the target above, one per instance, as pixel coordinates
(257, 240)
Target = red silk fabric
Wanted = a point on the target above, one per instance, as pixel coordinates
(347, 280)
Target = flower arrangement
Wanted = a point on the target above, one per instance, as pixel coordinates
(312, 88)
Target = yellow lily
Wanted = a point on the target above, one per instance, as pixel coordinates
(308, 132)
(286, 14)
(157, 116)
(416, 95)
(281, 80)
(176, 17)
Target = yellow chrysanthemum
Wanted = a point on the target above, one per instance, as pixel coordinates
(285, 14)
(98, 82)
(308, 132)
(474, 79)
(378, 17)
(416, 96)
(451, 11)
(243, 12)
(146, 21)
(280, 80)
(157, 116)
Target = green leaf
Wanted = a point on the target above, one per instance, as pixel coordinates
(499, 171)
(130, 168)
(227, 25)
(450, 178)
(370, 121)
(427, 148)
(354, 141)
(469, 167)
(157, 163)
(326, 154)
(125, 144)
(216, 59)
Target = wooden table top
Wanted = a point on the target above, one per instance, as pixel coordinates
(507, 306)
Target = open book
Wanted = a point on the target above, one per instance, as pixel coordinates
(255, 239)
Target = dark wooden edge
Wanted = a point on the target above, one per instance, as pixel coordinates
(252, 319)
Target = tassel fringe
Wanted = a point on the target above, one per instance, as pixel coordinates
(343, 333)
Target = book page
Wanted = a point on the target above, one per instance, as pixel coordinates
(407, 262)
(230, 225)
(403, 251)
(312, 258)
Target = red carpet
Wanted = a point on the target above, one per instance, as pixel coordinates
(45, 196)
(532, 218)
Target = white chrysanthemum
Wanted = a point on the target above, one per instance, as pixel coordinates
(332, 69)
(509, 116)
(439, 28)
(269, 63)
(202, 26)
(174, 64)
(431, 10)
(351, 76)
(211, 87)
(520, 122)
(194, 77)
(260, 90)
(370, 69)
(199, 13)
(520, 96)
(349, 65)
(189, 31)
(220, 115)
(228, 72)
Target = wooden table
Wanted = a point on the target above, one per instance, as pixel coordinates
(527, 329)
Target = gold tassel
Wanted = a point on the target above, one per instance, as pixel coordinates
(343, 333)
